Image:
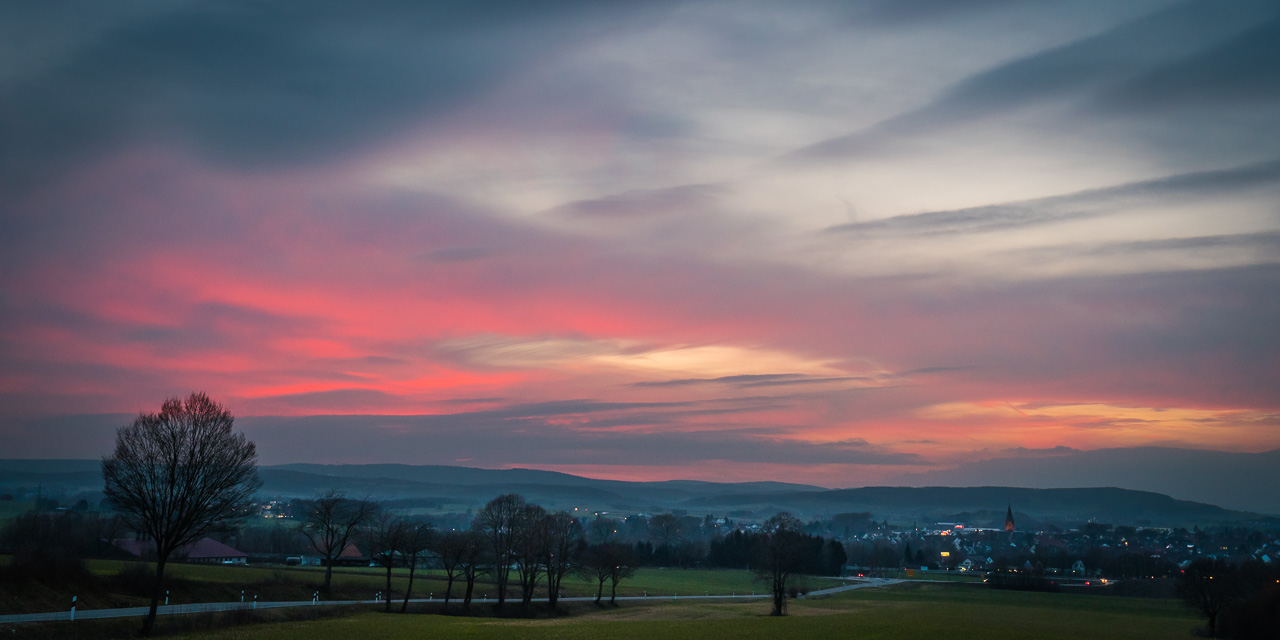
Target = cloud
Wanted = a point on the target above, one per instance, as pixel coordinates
(1086, 67)
(265, 85)
(682, 200)
(1073, 206)
(1240, 70)
(751, 380)
(517, 441)
(557, 225)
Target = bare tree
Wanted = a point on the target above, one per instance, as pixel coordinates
(331, 522)
(497, 521)
(473, 559)
(622, 568)
(450, 548)
(178, 475)
(606, 562)
(530, 543)
(386, 544)
(665, 529)
(602, 529)
(780, 551)
(563, 539)
(418, 536)
(1208, 586)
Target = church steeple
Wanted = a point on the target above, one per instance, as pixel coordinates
(1008, 519)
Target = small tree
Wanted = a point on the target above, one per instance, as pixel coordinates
(498, 521)
(1208, 586)
(331, 522)
(622, 569)
(450, 548)
(594, 565)
(607, 562)
(473, 559)
(418, 536)
(386, 544)
(563, 537)
(530, 544)
(780, 551)
(178, 475)
(665, 529)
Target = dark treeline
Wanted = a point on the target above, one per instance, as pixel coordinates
(1237, 600)
(814, 554)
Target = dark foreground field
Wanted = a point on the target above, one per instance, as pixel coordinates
(903, 611)
(925, 611)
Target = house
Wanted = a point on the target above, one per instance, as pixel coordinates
(202, 551)
(351, 556)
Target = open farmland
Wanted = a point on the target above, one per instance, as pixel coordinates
(915, 611)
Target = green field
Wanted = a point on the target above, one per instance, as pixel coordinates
(213, 583)
(10, 510)
(917, 611)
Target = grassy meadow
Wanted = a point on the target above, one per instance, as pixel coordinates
(119, 583)
(907, 611)
(915, 610)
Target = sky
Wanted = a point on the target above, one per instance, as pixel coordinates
(824, 242)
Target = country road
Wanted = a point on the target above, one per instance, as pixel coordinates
(207, 607)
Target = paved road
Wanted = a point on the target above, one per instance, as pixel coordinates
(205, 607)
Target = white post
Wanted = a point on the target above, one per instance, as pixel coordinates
(255, 601)
(73, 608)
(166, 597)
(242, 595)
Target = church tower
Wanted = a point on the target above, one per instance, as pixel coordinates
(1008, 519)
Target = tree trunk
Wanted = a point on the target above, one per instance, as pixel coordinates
(600, 591)
(613, 593)
(150, 620)
(779, 595)
(328, 577)
(405, 606)
(386, 595)
(448, 591)
(466, 597)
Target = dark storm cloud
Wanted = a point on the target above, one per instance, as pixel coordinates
(1148, 52)
(1073, 206)
(266, 84)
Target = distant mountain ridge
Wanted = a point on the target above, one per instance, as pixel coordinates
(462, 488)
(1104, 504)
(1244, 481)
